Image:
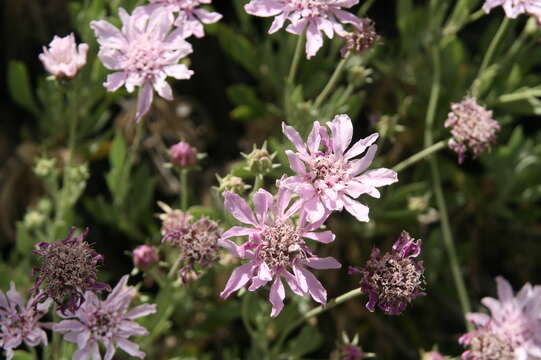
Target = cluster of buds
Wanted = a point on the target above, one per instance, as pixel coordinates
(472, 127)
(394, 279)
(348, 349)
(68, 269)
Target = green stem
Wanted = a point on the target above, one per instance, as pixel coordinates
(174, 268)
(440, 200)
(296, 58)
(365, 7)
(332, 81)
(184, 189)
(315, 312)
(519, 95)
(490, 52)
(420, 155)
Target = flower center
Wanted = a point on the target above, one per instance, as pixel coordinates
(143, 57)
(102, 325)
(487, 346)
(326, 168)
(281, 244)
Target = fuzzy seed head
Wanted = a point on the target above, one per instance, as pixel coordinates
(281, 244)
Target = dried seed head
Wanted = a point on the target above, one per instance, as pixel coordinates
(361, 38)
(172, 219)
(393, 280)
(68, 269)
(472, 127)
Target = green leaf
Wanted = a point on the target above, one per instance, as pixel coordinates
(22, 355)
(307, 341)
(238, 48)
(117, 159)
(20, 87)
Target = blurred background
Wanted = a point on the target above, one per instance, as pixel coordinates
(233, 102)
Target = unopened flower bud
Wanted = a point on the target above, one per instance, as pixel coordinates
(33, 219)
(432, 355)
(259, 160)
(144, 256)
(183, 155)
(231, 183)
(78, 174)
(45, 167)
(64, 58)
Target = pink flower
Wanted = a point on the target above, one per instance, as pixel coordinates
(145, 256)
(183, 154)
(64, 58)
(190, 17)
(514, 8)
(276, 248)
(108, 322)
(145, 52)
(328, 179)
(19, 322)
(512, 330)
(313, 16)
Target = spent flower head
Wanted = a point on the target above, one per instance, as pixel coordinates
(513, 328)
(106, 321)
(198, 245)
(19, 322)
(361, 38)
(172, 219)
(514, 8)
(191, 16)
(472, 127)
(144, 52)
(64, 58)
(145, 256)
(394, 279)
(183, 154)
(68, 268)
(276, 247)
(328, 175)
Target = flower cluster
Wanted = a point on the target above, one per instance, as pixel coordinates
(472, 127)
(64, 58)
(512, 330)
(394, 279)
(106, 321)
(514, 8)
(19, 322)
(68, 269)
(313, 17)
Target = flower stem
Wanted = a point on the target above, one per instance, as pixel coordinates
(420, 155)
(490, 53)
(315, 312)
(440, 200)
(296, 58)
(335, 77)
(184, 189)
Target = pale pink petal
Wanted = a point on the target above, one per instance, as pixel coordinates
(237, 231)
(378, 177)
(295, 163)
(324, 237)
(140, 311)
(178, 71)
(144, 101)
(314, 138)
(316, 290)
(238, 207)
(314, 40)
(262, 203)
(129, 347)
(360, 146)
(276, 296)
(358, 210)
(360, 165)
(207, 17)
(323, 263)
(238, 279)
(278, 23)
(505, 291)
(163, 88)
(264, 273)
(301, 278)
(264, 8)
(294, 137)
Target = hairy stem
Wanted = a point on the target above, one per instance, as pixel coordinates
(335, 77)
(184, 189)
(296, 58)
(440, 200)
(420, 155)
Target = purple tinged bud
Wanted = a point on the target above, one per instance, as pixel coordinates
(183, 155)
(145, 256)
(394, 279)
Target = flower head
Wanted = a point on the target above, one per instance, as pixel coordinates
(361, 38)
(191, 17)
(183, 154)
(472, 127)
(172, 219)
(19, 322)
(106, 321)
(316, 17)
(394, 279)
(144, 53)
(198, 244)
(276, 247)
(68, 268)
(145, 256)
(514, 8)
(513, 329)
(328, 177)
(64, 58)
